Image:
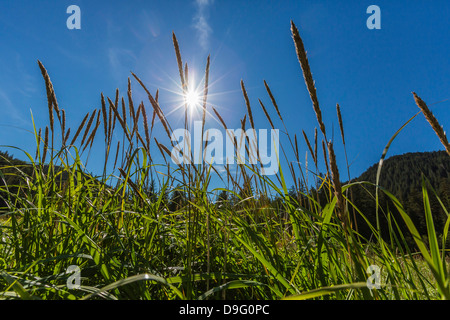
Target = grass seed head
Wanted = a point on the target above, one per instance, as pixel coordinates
(433, 122)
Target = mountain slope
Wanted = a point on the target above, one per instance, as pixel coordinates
(402, 176)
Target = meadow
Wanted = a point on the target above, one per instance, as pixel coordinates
(159, 231)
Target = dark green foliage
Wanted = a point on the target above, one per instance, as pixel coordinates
(12, 171)
(402, 176)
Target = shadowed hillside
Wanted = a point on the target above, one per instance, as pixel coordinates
(402, 176)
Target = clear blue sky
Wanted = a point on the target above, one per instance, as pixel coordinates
(370, 73)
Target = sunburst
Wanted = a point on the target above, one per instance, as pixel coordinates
(193, 99)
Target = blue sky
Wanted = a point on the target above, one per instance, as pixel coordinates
(370, 73)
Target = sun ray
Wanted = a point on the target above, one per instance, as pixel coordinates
(193, 99)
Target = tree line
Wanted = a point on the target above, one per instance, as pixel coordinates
(401, 175)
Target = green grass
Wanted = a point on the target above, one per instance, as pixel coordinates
(146, 230)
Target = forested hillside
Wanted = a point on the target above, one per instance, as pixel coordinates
(11, 170)
(402, 176)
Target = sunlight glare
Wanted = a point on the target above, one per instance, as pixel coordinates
(192, 99)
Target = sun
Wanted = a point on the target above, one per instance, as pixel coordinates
(192, 99)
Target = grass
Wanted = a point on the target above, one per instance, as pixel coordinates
(146, 230)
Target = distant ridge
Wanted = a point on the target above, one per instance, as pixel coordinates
(402, 172)
(402, 176)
